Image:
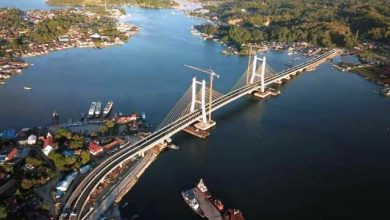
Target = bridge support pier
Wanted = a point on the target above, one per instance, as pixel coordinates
(205, 126)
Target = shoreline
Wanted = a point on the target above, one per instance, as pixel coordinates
(74, 38)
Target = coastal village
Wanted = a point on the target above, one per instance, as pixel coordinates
(88, 29)
(372, 66)
(40, 166)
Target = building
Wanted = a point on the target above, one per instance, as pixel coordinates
(64, 185)
(8, 134)
(46, 150)
(96, 36)
(117, 142)
(94, 148)
(63, 38)
(127, 118)
(11, 155)
(32, 139)
(48, 144)
(68, 153)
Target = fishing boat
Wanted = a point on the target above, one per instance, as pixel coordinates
(107, 108)
(91, 111)
(98, 109)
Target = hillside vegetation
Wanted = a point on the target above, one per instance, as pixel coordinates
(320, 22)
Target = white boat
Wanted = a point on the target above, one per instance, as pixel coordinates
(91, 111)
(98, 109)
(27, 88)
(107, 108)
(174, 147)
(2, 83)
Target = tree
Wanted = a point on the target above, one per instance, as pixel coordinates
(85, 157)
(76, 142)
(110, 124)
(3, 212)
(27, 184)
(34, 161)
(63, 133)
(58, 160)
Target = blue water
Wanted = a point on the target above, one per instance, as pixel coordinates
(318, 151)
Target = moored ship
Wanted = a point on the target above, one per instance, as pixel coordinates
(107, 108)
(98, 109)
(192, 202)
(202, 203)
(91, 111)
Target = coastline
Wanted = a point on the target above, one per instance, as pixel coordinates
(72, 39)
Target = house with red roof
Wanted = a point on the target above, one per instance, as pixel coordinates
(11, 155)
(95, 148)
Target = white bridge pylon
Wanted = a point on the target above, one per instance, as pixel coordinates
(262, 72)
(202, 100)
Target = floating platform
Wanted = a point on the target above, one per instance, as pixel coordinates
(196, 131)
(205, 126)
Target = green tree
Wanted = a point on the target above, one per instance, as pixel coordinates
(34, 161)
(3, 212)
(110, 124)
(27, 184)
(85, 157)
(58, 160)
(76, 142)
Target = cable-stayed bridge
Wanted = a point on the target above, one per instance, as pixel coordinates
(192, 108)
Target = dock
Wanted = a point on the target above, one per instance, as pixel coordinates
(210, 212)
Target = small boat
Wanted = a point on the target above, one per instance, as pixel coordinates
(82, 116)
(218, 204)
(174, 147)
(98, 109)
(203, 188)
(27, 88)
(385, 91)
(233, 214)
(3, 83)
(124, 205)
(143, 116)
(91, 110)
(107, 108)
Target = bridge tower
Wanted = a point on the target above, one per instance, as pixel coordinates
(203, 124)
(262, 73)
(202, 100)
